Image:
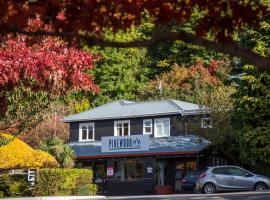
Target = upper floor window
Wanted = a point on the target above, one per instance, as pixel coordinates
(147, 126)
(162, 127)
(122, 128)
(87, 132)
(206, 122)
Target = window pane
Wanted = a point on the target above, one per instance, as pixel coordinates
(147, 123)
(125, 128)
(159, 130)
(166, 121)
(147, 129)
(130, 170)
(84, 134)
(119, 125)
(90, 133)
(119, 131)
(166, 130)
(139, 170)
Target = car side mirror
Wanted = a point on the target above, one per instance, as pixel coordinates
(248, 175)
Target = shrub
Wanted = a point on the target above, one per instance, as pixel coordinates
(88, 189)
(14, 186)
(18, 155)
(59, 150)
(55, 182)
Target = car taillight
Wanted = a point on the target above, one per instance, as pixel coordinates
(202, 175)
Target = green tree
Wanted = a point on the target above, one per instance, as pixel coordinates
(121, 73)
(252, 101)
(58, 149)
(252, 116)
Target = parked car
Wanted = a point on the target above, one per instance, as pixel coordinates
(230, 178)
(189, 181)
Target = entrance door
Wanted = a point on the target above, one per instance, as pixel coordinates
(179, 172)
(100, 175)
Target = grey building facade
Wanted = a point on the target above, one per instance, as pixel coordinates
(166, 126)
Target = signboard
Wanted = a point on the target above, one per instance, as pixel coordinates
(149, 170)
(125, 143)
(109, 171)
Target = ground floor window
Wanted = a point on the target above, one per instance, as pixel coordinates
(128, 169)
(133, 169)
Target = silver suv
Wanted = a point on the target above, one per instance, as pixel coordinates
(229, 178)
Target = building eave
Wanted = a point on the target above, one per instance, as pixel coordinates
(138, 155)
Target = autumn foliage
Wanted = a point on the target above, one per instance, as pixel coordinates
(181, 77)
(18, 155)
(186, 83)
(43, 64)
(73, 16)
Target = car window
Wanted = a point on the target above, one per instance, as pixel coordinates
(192, 175)
(221, 170)
(238, 172)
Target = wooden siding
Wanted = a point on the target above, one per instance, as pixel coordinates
(179, 126)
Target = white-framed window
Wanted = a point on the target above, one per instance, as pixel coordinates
(206, 122)
(122, 128)
(147, 126)
(87, 132)
(162, 127)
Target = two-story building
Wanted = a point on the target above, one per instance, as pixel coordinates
(129, 145)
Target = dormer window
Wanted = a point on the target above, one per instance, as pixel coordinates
(87, 132)
(122, 128)
(206, 122)
(147, 126)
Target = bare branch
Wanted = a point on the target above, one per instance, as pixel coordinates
(230, 48)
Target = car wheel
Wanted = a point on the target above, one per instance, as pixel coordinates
(209, 188)
(260, 187)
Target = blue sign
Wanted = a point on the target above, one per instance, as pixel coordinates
(125, 143)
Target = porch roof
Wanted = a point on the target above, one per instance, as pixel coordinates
(178, 145)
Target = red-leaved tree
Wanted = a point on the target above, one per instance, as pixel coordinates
(86, 19)
(41, 64)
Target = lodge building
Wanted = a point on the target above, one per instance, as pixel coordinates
(137, 147)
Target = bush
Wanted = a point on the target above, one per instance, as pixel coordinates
(57, 182)
(2, 194)
(14, 186)
(88, 189)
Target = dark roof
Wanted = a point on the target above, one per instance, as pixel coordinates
(189, 144)
(126, 109)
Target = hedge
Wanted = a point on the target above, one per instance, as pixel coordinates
(60, 182)
(14, 186)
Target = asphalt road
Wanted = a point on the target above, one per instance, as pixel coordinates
(221, 196)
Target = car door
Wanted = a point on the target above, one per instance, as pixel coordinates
(222, 177)
(242, 179)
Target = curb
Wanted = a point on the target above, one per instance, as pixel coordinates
(57, 198)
